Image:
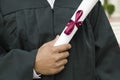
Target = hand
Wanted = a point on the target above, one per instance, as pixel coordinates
(51, 59)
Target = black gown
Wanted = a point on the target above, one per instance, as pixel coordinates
(25, 25)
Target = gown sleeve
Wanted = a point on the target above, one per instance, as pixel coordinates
(107, 52)
(15, 64)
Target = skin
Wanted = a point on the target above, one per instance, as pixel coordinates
(51, 59)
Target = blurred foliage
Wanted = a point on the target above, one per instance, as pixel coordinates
(110, 8)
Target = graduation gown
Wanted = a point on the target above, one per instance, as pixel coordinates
(25, 25)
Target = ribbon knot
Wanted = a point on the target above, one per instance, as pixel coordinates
(71, 24)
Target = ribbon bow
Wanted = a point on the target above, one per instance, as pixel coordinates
(71, 24)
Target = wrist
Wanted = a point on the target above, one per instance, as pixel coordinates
(36, 75)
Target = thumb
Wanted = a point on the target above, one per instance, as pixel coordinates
(54, 40)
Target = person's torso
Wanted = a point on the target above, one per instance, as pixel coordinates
(28, 24)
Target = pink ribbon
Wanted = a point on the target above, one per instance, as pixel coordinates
(71, 24)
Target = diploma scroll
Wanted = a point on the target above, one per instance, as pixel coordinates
(76, 21)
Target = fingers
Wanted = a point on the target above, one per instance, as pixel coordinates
(61, 59)
(51, 59)
(53, 41)
(61, 63)
(62, 48)
(61, 56)
(60, 66)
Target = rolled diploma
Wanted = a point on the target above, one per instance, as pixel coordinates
(86, 6)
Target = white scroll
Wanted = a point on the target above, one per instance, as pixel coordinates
(81, 13)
